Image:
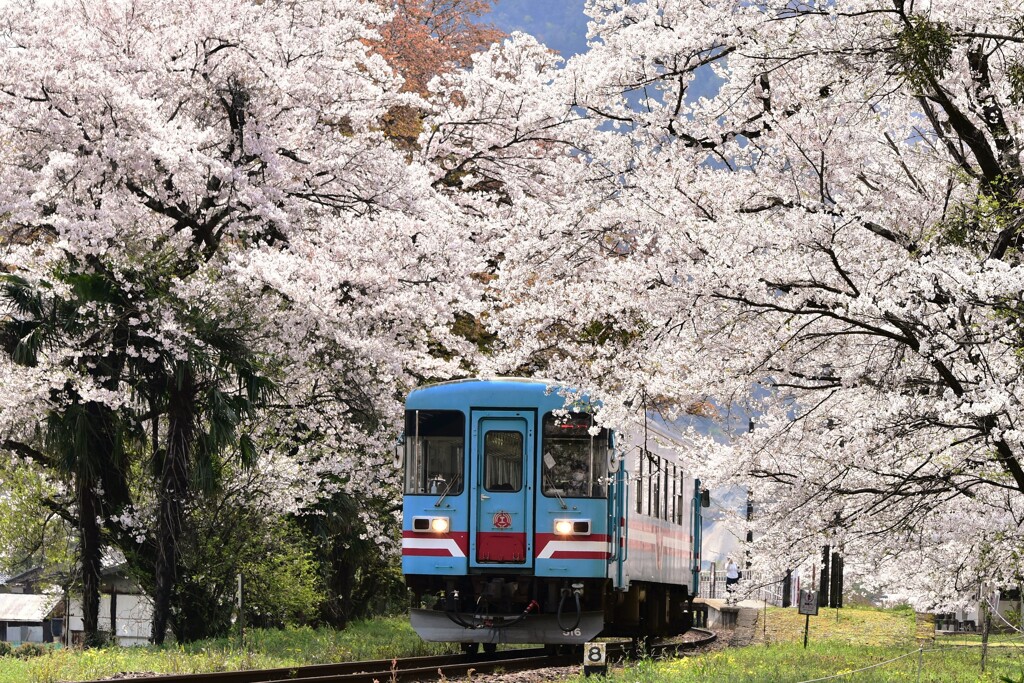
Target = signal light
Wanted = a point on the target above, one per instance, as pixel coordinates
(439, 525)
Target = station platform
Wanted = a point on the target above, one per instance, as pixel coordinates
(734, 622)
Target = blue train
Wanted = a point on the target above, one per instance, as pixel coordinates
(527, 523)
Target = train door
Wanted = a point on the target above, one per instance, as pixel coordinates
(502, 490)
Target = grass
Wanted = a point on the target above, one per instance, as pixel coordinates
(860, 638)
(373, 639)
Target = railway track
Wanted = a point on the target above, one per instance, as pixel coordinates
(413, 669)
(620, 651)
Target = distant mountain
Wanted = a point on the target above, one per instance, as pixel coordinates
(559, 24)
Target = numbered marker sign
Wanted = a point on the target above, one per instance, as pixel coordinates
(808, 603)
(594, 654)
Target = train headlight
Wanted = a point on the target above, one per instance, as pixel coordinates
(437, 525)
(572, 527)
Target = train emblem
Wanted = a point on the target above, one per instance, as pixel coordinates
(502, 520)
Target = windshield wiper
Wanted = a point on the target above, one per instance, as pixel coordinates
(554, 490)
(445, 493)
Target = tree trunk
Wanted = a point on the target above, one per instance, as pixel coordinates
(340, 584)
(986, 626)
(173, 493)
(91, 556)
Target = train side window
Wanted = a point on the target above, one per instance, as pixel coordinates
(503, 461)
(640, 484)
(656, 495)
(651, 489)
(670, 493)
(679, 486)
(684, 499)
(434, 443)
(575, 456)
(669, 480)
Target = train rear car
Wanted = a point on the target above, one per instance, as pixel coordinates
(518, 523)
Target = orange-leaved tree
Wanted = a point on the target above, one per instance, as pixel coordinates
(428, 37)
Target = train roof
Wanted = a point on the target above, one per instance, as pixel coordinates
(472, 380)
(496, 392)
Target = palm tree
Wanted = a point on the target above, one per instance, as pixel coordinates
(203, 399)
(197, 396)
(82, 441)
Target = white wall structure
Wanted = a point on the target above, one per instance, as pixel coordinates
(133, 616)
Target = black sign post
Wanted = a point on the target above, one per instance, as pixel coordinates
(808, 606)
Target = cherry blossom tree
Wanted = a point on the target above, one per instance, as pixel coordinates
(220, 168)
(803, 215)
(807, 213)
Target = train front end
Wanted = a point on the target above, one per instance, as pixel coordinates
(511, 515)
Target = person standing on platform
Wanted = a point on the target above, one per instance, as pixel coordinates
(732, 577)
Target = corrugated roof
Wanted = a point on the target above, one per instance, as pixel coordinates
(18, 607)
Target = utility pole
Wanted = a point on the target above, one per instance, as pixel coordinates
(241, 613)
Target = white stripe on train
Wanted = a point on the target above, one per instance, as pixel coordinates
(572, 547)
(448, 544)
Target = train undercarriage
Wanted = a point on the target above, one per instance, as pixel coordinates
(511, 608)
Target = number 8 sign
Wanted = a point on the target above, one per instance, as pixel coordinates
(594, 662)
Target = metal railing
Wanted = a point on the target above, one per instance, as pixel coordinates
(753, 585)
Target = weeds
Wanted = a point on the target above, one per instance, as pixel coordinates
(389, 638)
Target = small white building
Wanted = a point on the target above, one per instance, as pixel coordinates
(126, 612)
(28, 618)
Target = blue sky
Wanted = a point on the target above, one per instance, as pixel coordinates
(559, 24)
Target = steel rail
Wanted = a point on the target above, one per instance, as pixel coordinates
(380, 669)
(448, 671)
(623, 650)
(423, 668)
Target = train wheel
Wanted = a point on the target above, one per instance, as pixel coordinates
(470, 648)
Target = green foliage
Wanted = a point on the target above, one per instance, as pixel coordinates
(33, 534)
(282, 580)
(923, 50)
(5, 648)
(1015, 75)
(229, 534)
(29, 650)
(360, 583)
(973, 224)
(1015, 617)
(903, 607)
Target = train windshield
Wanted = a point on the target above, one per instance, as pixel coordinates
(434, 443)
(575, 461)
